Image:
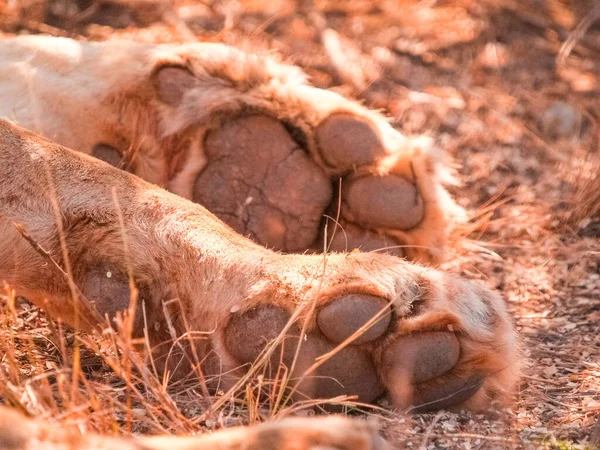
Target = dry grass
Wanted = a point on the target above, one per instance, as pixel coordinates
(482, 79)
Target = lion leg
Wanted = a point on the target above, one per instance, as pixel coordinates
(365, 325)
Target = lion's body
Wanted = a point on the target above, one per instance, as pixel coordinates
(168, 111)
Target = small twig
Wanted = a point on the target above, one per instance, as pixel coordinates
(429, 430)
(482, 437)
(415, 182)
(577, 34)
(337, 223)
(84, 15)
(542, 380)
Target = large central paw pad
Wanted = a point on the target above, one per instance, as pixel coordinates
(414, 369)
(259, 182)
(262, 180)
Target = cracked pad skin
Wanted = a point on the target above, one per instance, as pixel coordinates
(260, 182)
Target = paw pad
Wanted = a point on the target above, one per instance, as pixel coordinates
(452, 392)
(259, 182)
(267, 186)
(347, 142)
(423, 355)
(383, 202)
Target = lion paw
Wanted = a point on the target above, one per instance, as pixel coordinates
(277, 157)
(422, 339)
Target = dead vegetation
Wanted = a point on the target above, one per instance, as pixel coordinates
(509, 89)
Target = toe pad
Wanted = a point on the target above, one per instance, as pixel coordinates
(421, 356)
(347, 141)
(341, 318)
(383, 202)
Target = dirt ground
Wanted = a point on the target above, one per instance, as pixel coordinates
(508, 89)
